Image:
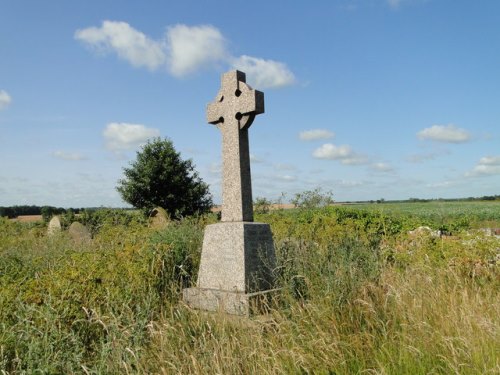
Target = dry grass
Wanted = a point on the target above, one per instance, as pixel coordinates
(415, 322)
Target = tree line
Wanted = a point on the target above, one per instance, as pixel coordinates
(45, 211)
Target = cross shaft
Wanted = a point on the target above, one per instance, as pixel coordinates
(233, 111)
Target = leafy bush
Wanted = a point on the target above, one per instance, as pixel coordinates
(160, 177)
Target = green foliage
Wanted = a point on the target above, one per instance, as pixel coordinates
(359, 295)
(312, 199)
(65, 308)
(95, 219)
(7, 212)
(261, 205)
(335, 272)
(48, 211)
(179, 265)
(160, 177)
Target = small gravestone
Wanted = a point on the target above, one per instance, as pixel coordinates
(54, 226)
(237, 259)
(79, 233)
(159, 218)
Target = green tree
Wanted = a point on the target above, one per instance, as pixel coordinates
(160, 177)
(49, 211)
(7, 212)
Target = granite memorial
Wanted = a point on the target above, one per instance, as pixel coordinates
(237, 260)
(158, 218)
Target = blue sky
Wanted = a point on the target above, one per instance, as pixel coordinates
(367, 98)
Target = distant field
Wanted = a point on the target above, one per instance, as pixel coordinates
(480, 213)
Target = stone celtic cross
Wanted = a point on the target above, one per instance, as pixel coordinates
(233, 111)
(237, 263)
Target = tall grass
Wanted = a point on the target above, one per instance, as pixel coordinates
(358, 296)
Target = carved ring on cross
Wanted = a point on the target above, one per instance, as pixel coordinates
(235, 101)
(244, 120)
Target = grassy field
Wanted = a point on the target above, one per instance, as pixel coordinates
(475, 214)
(360, 295)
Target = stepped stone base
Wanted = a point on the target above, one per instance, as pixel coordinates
(229, 302)
(236, 268)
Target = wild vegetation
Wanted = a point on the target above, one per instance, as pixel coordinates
(359, 295)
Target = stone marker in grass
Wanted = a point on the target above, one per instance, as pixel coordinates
(54, 226)
(158, 218)
(237, 259)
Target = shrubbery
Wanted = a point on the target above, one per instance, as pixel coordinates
(312, 199)
(359, 294)
(261, 205)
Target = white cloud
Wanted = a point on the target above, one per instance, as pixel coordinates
(382, 167)
(122, 136)
(284, 167)
(332, 152)
(215, 169)
(355, 159)
(315, 134)
(71, 156)
(256, 159)
(286, 178)
(183, 50)
(5, 99)
(194, 47)
(484, 170)
(487, 166)
(394, 3)
(490, 160)
(444, 133)
(420, 158)
(398, 3)
(349, 184)
(442, 184)
(264, 73)
(128, 43)
(343, 153)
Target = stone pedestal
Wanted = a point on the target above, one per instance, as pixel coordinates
(236, 269)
